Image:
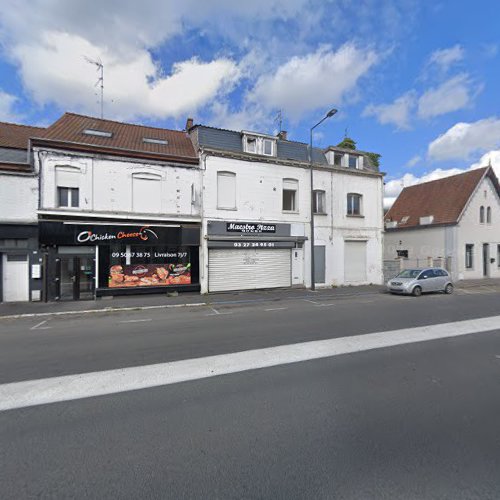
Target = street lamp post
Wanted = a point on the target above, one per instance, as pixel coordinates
(328, 115)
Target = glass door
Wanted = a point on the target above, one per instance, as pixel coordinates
(76, 277)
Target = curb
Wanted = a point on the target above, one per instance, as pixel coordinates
(184, 305)
(102, 310)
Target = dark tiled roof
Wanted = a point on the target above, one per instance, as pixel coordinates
(230, 140)
(125, 137)
(17, 136)
(444, 199)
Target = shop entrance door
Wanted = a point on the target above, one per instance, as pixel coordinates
(76, 277)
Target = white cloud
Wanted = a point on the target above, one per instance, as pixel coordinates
(55, 71)
(320, 79)
(463, 139)
(397, 112)
(452, 95)
(413, 161)
(445, 58)
(47, 42)
(7, 103)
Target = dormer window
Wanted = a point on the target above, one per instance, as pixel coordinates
(268, 147)
(261, 145)
(337, 159)
(405, 219)
(150, 140)
(251, 145)
(97, 133)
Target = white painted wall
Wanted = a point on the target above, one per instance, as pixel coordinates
(106, 186)
(438, 242)
(259, 198)
(18, 198)
(470, 230)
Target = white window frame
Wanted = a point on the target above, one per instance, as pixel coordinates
(291, 185)
(267, 141)
(319, 194)
(351, 196)
(225, 173)
(259, 145)
(71, 196)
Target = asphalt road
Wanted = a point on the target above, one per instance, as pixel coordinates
(412, 421)
(415, 421)
(46, 347)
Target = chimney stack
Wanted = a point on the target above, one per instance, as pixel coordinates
(282, 135)
(189, 123)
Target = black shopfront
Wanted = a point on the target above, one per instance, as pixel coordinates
(85, 261)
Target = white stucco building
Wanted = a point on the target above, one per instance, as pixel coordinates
(119, 209)
(256, 213)
(453, 222)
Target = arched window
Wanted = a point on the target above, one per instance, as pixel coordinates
(226, 190)
(481, 215)
(488, 215)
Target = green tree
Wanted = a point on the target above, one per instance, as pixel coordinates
(347, 143)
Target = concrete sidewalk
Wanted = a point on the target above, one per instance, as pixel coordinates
(9, 309)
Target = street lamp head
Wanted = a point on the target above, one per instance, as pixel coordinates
(331, 113)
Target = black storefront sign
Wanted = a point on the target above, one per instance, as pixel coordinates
(59, 233)
(250, 227)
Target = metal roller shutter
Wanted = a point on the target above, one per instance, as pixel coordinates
(248, 269)
(355, 261)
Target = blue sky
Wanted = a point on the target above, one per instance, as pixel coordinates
(416, 81)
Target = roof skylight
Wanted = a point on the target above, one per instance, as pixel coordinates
(98, 133)
(151, 140)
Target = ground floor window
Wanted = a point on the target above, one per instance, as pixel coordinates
(498, 255)
(469, 256)
(126, 266)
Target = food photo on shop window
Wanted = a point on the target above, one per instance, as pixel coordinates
(139, 266)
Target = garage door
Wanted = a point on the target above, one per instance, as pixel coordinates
(248, 269)
(355, 261)
(15, 281)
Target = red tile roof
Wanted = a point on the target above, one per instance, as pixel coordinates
(125, 137)
(16, 136)
(444, 199)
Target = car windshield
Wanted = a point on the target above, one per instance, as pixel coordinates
(409, 273)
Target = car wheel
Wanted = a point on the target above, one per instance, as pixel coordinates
(417, 291)
(448, 289)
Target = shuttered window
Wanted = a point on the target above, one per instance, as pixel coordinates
(226, 190)
(146, 193)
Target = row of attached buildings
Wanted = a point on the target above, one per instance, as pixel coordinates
(92, 207)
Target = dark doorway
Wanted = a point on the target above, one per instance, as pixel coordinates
(486, 259)
(76, 277)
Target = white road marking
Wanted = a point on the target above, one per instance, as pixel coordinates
(135, 320)
(311, 301)
(39, 326)
(71, 387)
(325, 305)
(217, 313)
(276, 309)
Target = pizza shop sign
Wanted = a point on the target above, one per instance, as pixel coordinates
(245, 227)
(144, 234)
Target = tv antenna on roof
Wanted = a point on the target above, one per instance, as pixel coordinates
(279, 119)
(100, 81)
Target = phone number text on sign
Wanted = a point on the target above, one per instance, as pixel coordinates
(253, 244)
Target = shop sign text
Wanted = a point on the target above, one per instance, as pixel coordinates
(245, 227)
